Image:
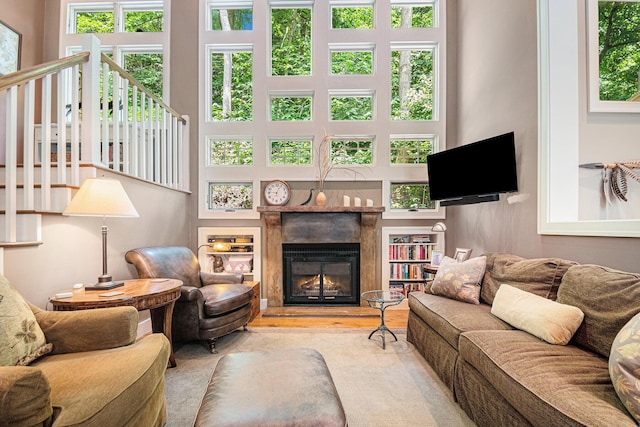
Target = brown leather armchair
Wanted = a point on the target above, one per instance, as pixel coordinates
(210, 305)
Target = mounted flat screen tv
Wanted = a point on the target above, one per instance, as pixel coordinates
(473, 173)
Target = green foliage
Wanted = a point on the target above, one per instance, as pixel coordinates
(291, 42)
(289, 152)
(291, 108)
(239, 19)
(411, 196)
(345, 62)
(351, 107)
(231, 153)
(352, 17)
(147, 69)
(405, 152)
(417, 104)
(143, 22)
(241, 86)
(358, 152)
(619, 48)
(422, 17)
(94, 22)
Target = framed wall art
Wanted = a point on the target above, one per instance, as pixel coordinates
(10, 45)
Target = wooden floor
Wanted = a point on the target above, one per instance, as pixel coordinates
(329, 317)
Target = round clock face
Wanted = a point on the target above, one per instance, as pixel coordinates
(277, 193)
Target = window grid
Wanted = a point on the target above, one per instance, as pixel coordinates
(291, 152)
(410, 151)
(325, 86)
(230, 152)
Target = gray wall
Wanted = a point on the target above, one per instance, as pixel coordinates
(496, 91)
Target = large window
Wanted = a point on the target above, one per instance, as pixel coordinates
(285, 74)
(131, 32)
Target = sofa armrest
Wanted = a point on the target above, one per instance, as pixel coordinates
(220, 278)
(87, 330)
(190, 293)
(24, 396)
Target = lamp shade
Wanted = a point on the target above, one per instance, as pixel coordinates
(101, 197)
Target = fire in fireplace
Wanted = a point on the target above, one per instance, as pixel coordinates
(321, 273)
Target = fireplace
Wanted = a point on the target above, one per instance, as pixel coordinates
(321, 274)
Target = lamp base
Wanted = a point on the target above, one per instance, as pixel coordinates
(101, 286)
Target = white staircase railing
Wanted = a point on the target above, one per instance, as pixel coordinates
(90, 112)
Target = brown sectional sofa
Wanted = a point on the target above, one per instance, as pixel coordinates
(502, 376)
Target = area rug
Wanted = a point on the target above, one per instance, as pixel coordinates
(381, 388)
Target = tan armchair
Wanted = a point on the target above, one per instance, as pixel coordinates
(210, 305)
(97, 373)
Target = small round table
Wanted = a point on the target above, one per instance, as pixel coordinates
(382, 300)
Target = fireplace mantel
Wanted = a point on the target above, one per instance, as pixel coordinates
(271, 217)
(327, 209)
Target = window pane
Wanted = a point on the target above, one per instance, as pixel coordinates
(412, 17)
(291, 152)
(231, 86)
(143, 22)
(230, 153)
(351, 151)
(410, 196)
(291, 108)
(352, 17)
(408, 152)
(619, 50)
(291, 42)
(94, 22)
(147, 69)
(412, 85)
(351, 108)
(229, 195)
(231, 19)
(347, 62)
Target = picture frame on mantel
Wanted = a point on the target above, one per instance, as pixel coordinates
(10, 49)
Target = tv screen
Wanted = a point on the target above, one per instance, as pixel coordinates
(475, 172)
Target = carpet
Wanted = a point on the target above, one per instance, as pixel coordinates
(392, 387)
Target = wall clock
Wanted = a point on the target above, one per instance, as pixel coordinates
(276, 192)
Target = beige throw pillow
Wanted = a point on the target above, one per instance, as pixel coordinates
(549, 320)
(21, 339)
(459, 281)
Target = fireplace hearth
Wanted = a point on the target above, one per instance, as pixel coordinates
(321, 274)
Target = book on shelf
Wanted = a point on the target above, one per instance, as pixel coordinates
(406, 288)
(413, 271)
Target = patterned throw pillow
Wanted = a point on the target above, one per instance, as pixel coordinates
(460, 281)
(624, 366)
(21, 339)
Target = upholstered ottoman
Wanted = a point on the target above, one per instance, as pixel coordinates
(272, 388)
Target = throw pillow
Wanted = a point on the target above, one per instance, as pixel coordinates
(459, 281)
(21, 339)
(548, 320)
(624, 366)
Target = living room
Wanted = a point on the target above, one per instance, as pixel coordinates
(492, 87)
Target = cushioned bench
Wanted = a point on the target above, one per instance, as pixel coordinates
(278, 387)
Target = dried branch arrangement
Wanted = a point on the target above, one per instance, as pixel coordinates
(614, 177)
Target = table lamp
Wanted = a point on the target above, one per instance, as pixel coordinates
(103, 197)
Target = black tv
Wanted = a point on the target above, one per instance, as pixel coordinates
(473, 173)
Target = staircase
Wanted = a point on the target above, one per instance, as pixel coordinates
(145, 138)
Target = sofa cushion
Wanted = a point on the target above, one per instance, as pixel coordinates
(224, 298)
(549, 385)
(624, 365)
(21, 338)
(549, 320)
(608, 298)
(449, 319)
(540, 276)
(129, 379)
(459, 280)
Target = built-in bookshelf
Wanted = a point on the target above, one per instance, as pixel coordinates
(406, 251)
(230, 250)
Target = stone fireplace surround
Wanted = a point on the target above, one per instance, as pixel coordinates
(317, 224)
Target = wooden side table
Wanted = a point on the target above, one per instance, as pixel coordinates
(156, 295)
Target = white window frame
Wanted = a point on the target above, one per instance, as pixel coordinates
(381, 39)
